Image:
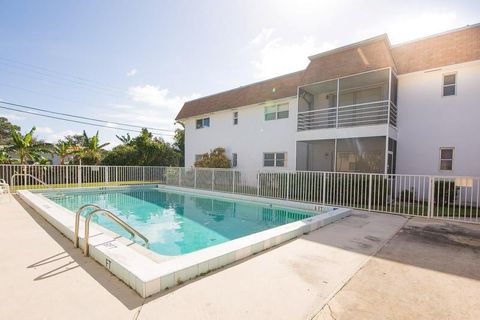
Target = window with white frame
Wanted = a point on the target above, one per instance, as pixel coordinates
(234, 160)
(449, 85)
(203, 123)
(235, 118)
(274, 159)
(446, 159)
(198, 157)
(275, 112)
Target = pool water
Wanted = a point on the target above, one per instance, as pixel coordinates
(178, 223)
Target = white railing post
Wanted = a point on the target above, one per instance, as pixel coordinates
(233, 181)
(370, 193)
(258, 183)
(106, 174)
(143, 175)
(213, 179)
(288, 185)
(431, 186)
(324, 186)
(194, 177)
(179, 177)
(79, 175)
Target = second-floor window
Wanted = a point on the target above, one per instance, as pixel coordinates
(235, 118)
(203, 123)
(449, 85)
(275, 112)
(446, 159)
(274, 159)
(234, 160)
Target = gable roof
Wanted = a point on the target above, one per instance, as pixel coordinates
(272, 89)
(454, 46)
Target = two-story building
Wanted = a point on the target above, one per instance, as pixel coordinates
(367, 107)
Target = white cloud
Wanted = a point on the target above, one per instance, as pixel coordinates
(275, 56)
(150, 106)
(413, 26)
(12, 116)
(131, 72)
(50, 135)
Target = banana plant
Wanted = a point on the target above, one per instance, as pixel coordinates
(26, 147)
(92, 147)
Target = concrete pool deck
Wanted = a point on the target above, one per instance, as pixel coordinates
(428, 270)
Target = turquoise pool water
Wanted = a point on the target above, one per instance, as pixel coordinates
(178, 223)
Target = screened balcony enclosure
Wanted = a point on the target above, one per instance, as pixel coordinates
(358, 100)
(367, 155)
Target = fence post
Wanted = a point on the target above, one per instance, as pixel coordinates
(431, 185)
(79, 175)
(179, 177)
(195, 177)
(213, 179)
(106, 174)
(258, 184)
(288, 185)
(233, 181)
(324, 186)
(370, 193)
(143, 175)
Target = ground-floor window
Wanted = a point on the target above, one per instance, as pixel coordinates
(274, 159)
(234, 160)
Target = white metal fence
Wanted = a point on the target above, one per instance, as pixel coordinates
(455, 198)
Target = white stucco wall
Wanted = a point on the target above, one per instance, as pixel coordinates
(427, 121)
(249, 139)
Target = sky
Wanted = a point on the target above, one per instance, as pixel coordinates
(137, 62)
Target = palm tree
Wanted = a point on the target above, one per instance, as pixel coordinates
(63, 149)
(92, 147)
(26, 147)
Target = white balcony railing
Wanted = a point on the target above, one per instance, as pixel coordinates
(362, 114)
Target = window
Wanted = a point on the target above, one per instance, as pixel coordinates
(198, 157)
(274, 159)
(234, 160)
(449, 85)
(279, 111)
(235, 118)
(203, 123)
(446, 159)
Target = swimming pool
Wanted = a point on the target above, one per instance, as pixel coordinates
(191, 232)
(177, 223)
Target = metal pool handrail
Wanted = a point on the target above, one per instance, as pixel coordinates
(116, 219)
(12, 180)
(77, 220)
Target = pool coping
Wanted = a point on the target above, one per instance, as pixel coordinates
(147, 276)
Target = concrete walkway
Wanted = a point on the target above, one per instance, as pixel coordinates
(44, 277)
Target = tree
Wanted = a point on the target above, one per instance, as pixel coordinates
(179, 143)
(4, 157)
(215, 159)
(143, 150)
(63, 149)
(5, 131)
(26, 147)
(125, 139)
(92, 149)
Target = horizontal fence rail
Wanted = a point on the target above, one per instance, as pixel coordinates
(453, 198)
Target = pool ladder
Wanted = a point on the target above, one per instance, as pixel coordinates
(108, 214)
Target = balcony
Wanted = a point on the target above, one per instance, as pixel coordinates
(363, 114)
(365, 99)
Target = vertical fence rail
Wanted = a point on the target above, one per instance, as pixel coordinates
(441, 197)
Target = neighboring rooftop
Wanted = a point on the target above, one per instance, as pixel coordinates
(451, 47)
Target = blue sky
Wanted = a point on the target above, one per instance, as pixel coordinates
(140, 60)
